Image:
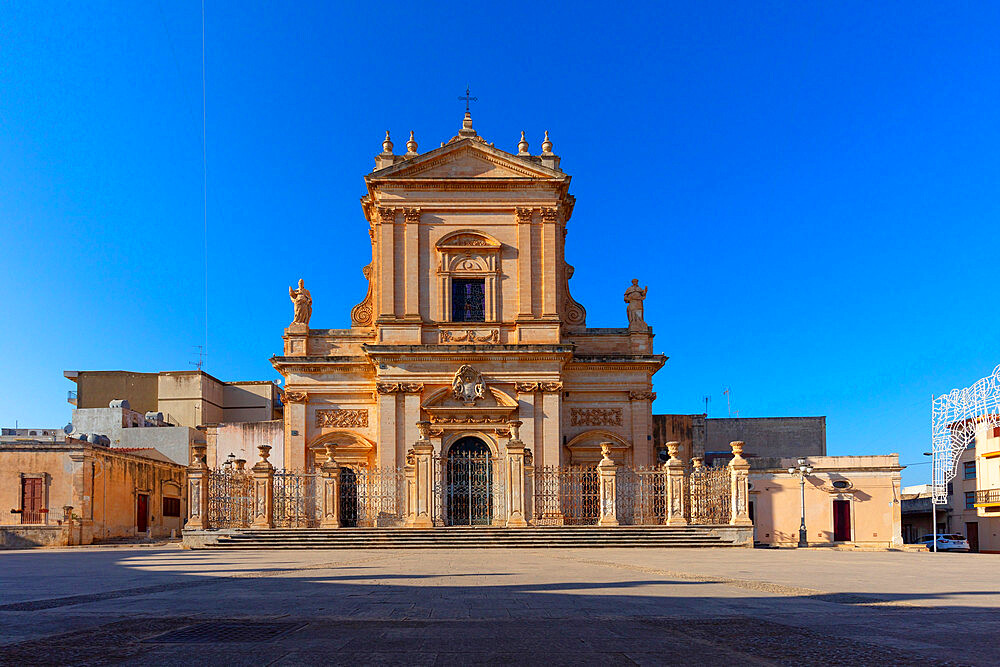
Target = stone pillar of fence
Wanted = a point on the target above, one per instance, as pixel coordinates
(330, 472)
(263, 490)
(197, 474)
(674, 468)
(423, 476)
(607, 472)
(516, 512)
(529, 485)
(410, 473)
(739, 474)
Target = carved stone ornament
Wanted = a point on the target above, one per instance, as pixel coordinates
(386, 214)
(342, 418)
(361, 314)
(399, 387)
(467, 420)
(550, 214)
(523, 214)
(529, 458)
(642, 396)
(411, 214)
(532, 387)
(411, 457)
(296, 397)
(470, 336)
(595, 416)
(467, 240)
(468, 385)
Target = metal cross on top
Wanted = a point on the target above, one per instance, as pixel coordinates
(468, 99)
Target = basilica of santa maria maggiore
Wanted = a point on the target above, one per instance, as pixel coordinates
(469, 389)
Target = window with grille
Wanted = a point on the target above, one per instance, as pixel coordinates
(468, 300)
(171, 507)
(970, 470)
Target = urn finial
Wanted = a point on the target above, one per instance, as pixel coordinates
(522, 145)
(387, 144)
(547, 144)
(411, 145)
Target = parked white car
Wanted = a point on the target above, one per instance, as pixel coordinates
(945, 542)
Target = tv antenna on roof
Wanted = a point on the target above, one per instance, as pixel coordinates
(706, 399)
(201, 357)
(729, 403)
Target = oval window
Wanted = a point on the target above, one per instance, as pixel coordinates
(841, 484)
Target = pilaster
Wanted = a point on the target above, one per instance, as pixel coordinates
(674, 468)
(331, 491)
(424, 480)
(263, 490)
(516, 511)
(197, 474)
(295, 429)
(607, 472)
(739, 473)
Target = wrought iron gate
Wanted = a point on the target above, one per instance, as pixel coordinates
(710, 496)
(229, 499)
(297, 503)
(469, 484)
(348, 497)
(642, 496)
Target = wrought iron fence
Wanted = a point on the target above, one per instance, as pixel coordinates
(566, 495)
(372, 496)
(297, 499)
(641, 496)
(709, 492)
(230, 499)
(468, 490)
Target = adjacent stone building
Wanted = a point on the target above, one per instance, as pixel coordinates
(63, 491)
(852, 500)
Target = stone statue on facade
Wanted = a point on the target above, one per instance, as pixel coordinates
(303, 303)
(634, 296)
(468, 385)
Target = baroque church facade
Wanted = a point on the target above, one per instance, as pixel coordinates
(468, 335)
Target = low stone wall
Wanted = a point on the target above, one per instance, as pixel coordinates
(26, 537)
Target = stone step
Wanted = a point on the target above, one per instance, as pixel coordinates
(465, 537)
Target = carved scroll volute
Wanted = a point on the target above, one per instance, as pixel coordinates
(362, 314)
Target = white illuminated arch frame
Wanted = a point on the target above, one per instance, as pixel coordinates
(954, 419)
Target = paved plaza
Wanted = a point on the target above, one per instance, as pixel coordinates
(562, 606)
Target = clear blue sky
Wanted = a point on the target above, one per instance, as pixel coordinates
(810, 192)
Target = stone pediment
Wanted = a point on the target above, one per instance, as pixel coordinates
(444, 408)
(467, 158)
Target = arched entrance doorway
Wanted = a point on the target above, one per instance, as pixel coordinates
(469, 479)
(348, 497)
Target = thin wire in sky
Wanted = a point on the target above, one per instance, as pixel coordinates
(204, 166)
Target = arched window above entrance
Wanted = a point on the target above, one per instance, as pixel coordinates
(468, 275)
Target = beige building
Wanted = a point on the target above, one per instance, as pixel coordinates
(987, 486)
(848, 500)
(186, 398)
(468, 323)
(63, 492)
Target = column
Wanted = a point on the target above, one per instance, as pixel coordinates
(524, 252)
(739, 474)
(550, 259)
(607, 470)
(411, 415)
(295, 430)
(551, 445)
(263, 490)
(386, 265)
(674, 469)
(516, 512)
(529, 486)
(411, 259)
(386, 428)
(197, 474)
(423, 462)
(642, 427)
(331, 491)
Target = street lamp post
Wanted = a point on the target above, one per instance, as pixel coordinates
(802, 470)
(933, 504)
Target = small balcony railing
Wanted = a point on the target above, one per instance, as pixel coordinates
(987, 497)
